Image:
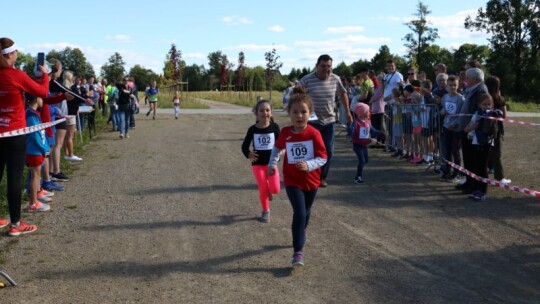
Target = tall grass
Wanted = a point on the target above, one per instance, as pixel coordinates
(515, 106)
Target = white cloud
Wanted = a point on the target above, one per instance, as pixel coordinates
(257, 47)
(344, 30)
(276, 28)
(388, 18)
(452, 29)
(194, 56)
(236, 20)
(119, 38)
(343, 42)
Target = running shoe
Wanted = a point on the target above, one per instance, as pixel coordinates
(72, 158)
(42, 197)
(505, 181)
(59, 177)
(298, 259)
(38, 207)
(475, 193)
(265, 217)
(480, 197)
(3, 223)
(324, 183)
(45, 192)
(22, 228)
(358, 180)
(127, 135)
(51, 186)
(121, 136)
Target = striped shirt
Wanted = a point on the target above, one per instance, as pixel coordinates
(323, 94)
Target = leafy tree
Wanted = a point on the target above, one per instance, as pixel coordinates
(240, 70)
(196, 76)
(75, 61)
(272, 67)
(174, 58)
(26, 62)
(357, 65)
(515, 29)
(142, 76)
(342, 70)
(433, 55)
(381, 57)
(113, 70)
(422, 35)
(215, 60)
(467, 52)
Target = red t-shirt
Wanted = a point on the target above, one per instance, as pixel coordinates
(302, 146)
(13, 83)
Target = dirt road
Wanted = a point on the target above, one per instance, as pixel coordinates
(168, 216)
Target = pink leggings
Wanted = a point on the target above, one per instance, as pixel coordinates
(267, 184)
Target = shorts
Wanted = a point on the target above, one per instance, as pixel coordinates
(34, 160)
(62, 125)
(155, 101)
(71, 120)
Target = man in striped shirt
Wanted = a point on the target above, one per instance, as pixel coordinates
(323, 86)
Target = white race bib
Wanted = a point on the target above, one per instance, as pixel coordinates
(364, 133)
(263, 141)
(300, 151)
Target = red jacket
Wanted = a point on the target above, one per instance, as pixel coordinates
(13, 83)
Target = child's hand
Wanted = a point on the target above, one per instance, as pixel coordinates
(302, 166)
(271, 171)
(470, 127)
(253, 156)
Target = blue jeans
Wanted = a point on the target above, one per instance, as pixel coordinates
(328, 134)
(301, 202)
(362, 154)
(113, 117)
(123, 119)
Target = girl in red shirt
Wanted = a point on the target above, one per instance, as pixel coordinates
(305, 154)
(13, 82)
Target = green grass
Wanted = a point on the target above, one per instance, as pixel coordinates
(515, 106)
(188, 102)
(248, 99)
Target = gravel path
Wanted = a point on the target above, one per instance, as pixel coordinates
(168, 216)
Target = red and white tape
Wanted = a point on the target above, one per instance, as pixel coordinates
(31, 129)
(495, 182)
(513, 121)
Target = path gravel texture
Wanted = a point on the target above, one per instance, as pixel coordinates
(169, 216)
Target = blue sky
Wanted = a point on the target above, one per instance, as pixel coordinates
(143, 31)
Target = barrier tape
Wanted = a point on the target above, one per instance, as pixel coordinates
(31, 129)
(488, 181)
(494, 182)
(513, 121)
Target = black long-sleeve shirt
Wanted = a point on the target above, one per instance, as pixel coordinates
(263, 141)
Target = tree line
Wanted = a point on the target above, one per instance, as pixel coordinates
(512, 55)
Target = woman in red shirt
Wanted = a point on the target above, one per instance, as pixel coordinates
(305, 154)
(13, 82)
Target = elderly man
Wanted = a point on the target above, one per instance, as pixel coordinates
(475, 92)
(323, 86)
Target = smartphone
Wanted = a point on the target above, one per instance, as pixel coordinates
(40, 59)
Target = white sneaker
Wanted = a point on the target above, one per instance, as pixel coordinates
(505, 181)
(73, 158)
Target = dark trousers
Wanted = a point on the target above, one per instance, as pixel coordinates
(451, 145)
(480, 156)
(328, 134)
(377, 121)
(495, 158)
(468, 159)
(12, 157)
(301, 202)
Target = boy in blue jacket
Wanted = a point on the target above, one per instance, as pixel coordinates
(36, 149)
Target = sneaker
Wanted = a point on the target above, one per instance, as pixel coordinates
(3, 223)
(298, 259)
(473, 194)
(358, 180)
(121, 136)
(72, 158)
(265, 217)
(22, 228)
(42, 197)
(38, 207)
(59, 177)
(324, 183)
(127, 135)
(447, 177)
(45, 192)
(51, 186)
(480, 197)
(505, 181)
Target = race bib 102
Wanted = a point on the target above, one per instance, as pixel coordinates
(300, 151)
(263, 141)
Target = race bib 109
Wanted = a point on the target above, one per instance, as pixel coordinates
(263, 141)
(300, 151)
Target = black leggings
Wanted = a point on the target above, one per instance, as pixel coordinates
(301, 201)
(12, 157)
